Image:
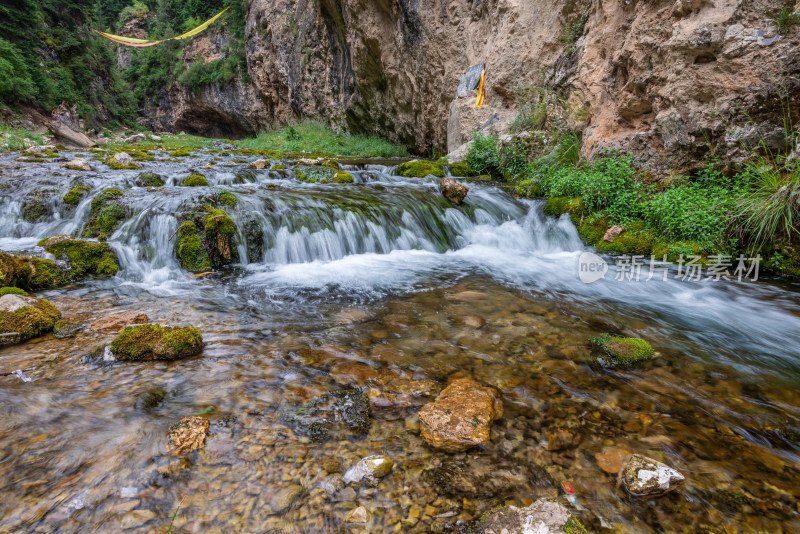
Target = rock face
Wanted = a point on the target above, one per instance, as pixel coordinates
(643, 476)
(461, 416)
(22, 318)
(453, 191)
(541, 517)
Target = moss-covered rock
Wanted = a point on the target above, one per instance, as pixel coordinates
(150, 179)
(555, 206)
(107, 213)
(12, 291)
(343, 177)
(461, 169)
(220, 231)
(420, 168)
(635, 240)
(30, 273)
(625, 350)
(85, 257)
(191, 252)
(195, 180)
(181, 153)
(74, 196)
(278, 167)
(156, 342)
(225, 198)
(34, 209)
(25, 317)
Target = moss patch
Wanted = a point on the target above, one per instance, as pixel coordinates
(34, 209)
(30, 273)
(36, 318)
(343, 177)
(574, 526)
(419, 169)
(74, 196)
(12, 291)
(461, 170)
(195, 180)
(226, 198)
(107, 213)
(150, 179)
(156, 342)
(191, 253)
(86, 257)
(625, 350)
(278, 167)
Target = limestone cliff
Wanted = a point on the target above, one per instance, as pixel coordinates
(669, 80)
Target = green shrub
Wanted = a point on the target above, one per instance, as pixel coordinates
(786, 18)
(483, 156)
(691, 212)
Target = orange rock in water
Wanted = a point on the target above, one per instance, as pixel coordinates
(611, 459)
(118, 321)
(461, 416)
(189, 434)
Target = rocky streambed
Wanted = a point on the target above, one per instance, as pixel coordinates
(372, 357)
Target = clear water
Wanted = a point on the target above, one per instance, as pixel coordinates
(79, 452)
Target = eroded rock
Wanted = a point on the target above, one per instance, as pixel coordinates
(461, 416)
(453, 191)
(643, 476)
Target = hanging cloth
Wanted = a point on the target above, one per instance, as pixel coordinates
(479, 99)
(141, 43)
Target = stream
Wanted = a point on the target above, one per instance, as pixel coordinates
(383, 286)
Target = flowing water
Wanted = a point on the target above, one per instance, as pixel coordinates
(383, 286)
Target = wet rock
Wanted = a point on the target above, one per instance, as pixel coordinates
(78, 164)
(29, 272)
(22, 318)
(352, 407)
(453, 191)
(350, 373)
(369, 470)
(106, 214)
(643, 476)
(135, 139)
(485, 477)
(461, 416)
(187, 435)
(123, 159)
(350, 316)
(542, 517)
(611, 459)
(285, 498)
(419, 169)
(467, 296)
(151, 399)
(149, 179)
(117, 321)
(258, 164)
(562, 438)
(357, 515)
(85, 258)
(332, 485)
(625, 350)
(474, 321)
(195, 180)
(136, 519)
(612, 233)
(156, 342)
(343, 177)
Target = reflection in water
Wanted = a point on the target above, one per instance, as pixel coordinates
(363, 286)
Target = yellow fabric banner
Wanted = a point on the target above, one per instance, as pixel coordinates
(140, 43)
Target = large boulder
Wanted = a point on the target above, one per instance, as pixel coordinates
(30, 273)
(453, 191)
(155, 342)
(643, 476)
(461, 416)
(22, 318)
(542, 517)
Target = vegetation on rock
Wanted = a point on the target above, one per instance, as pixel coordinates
(106, 214)
(191, 253)
(156, 342)
(74, 196)
(150, 179)
(195, 180)
(12, 291)
(625, 350)
(419, 169)
(85, 257)
(343, 177)
(27, 317)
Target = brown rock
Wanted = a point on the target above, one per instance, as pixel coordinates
(357, 515)
(453, 191)
(349, 373)
(562, 438)
(467, 296)
(350, 316)
(643, 476)
(117, 321)
(258, 164)
(474, 321)
(189, 434)
(461, 416)
(612, 233)
(611, 459)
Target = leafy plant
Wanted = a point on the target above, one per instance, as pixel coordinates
(483, 155)
(786, 18)
(771, 208)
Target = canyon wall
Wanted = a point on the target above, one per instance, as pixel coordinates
(671, 81)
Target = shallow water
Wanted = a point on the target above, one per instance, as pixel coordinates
(363, 286)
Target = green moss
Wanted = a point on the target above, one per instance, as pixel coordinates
(106, 213)
(29, 273)
(195, 180)
(30, 321)
(12, 291)
(181, 153)
(150, 179)
(86, 257)
(634, 240)
(574, 526)
(555, 206)
(156, 342)
(191, 253)
(51, 154)
(331, 164)
(460, 170)
(119, 166)
(625, 350)
(278, 167)
(218, 222)
(419, 169)
(34, 210)
(300, 176)
(226, 198)
(593, 228)
(343, 177)
(73, 198)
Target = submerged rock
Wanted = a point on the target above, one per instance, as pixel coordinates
(486, 476)
(453, 191)
(369, 470)
(358, 515)
(117, 321)
(149, 179)
(187, 435)
(542, 517)
(643, 476)
(195, 180)
(461, 416)
(611, 459)
(156, 342)
(625, 350)
(285, 498)
(22, 318)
